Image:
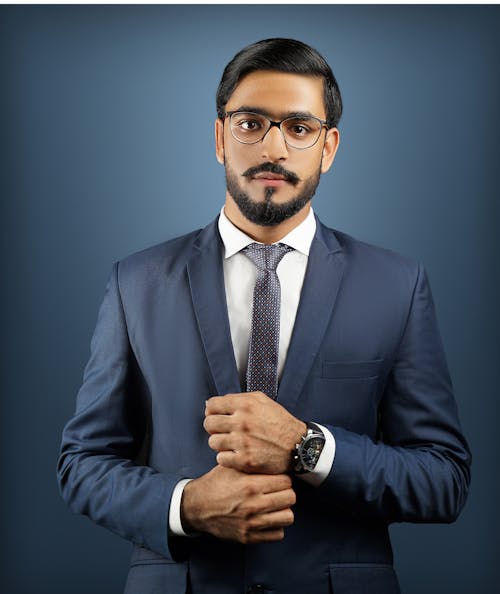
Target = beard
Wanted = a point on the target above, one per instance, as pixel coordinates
(267, 212)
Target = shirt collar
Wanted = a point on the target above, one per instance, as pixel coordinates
(299, 238)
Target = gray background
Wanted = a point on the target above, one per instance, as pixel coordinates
(106, 118)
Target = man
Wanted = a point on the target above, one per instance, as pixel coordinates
(265, 395)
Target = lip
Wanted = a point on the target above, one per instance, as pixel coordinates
(270, 179)
(273, 183)
(268, 175)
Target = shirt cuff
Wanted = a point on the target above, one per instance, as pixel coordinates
(174, 514)
(325, 461)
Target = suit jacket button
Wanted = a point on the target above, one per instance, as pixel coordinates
(256, 589)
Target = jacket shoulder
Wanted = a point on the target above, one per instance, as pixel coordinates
(358, 252)
(167, 258)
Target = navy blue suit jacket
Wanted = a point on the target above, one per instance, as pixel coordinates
(365, 359)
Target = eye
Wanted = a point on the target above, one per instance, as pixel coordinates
(300, 128)
(247, 122)
(249, 125)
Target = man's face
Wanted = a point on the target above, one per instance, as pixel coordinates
(270, 181)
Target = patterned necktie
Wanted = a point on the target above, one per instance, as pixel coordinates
(262, 370)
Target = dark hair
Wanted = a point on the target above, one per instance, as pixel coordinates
(282, 55)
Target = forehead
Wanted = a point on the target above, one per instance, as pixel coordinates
(279, 93)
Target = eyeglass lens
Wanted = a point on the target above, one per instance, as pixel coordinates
(250, 128)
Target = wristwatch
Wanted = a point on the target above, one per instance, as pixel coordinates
(307, 452)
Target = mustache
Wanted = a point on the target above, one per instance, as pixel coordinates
(289, 176)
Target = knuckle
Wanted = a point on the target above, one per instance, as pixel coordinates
(252, 521)
(252, 488)
(250, 514)
(246, 407)
(251, 463)
(244, 425)
(245, 460)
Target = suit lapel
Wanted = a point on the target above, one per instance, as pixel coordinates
(206, 280)
(321, 284)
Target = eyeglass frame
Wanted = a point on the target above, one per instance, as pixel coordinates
(277, 124)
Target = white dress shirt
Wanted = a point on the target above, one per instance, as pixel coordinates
(240, 275)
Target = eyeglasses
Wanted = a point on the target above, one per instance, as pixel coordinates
(299, 132)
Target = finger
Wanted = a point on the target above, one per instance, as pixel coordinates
(223, 405)
(230, 459)
(260, 484)
(275, 482)
(271, 502)
(218, 423)
(277, 519)
(221, 442)
(260, 536)
(260, 396)
(236, 454)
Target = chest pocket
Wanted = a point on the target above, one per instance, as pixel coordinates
(351, 370)
(347, 394)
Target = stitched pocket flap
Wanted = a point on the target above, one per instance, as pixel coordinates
(352, 369)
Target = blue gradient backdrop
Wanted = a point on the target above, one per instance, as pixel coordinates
(106, 117)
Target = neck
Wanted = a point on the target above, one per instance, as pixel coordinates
(261, 233)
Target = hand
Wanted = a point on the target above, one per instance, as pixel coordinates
(252, 432)
(232, 505)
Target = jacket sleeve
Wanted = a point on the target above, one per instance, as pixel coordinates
(97, 472)
(418, 470)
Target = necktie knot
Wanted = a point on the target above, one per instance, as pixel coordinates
(266, 257)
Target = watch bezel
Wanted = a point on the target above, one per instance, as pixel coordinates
(309, 462)
(301, 464)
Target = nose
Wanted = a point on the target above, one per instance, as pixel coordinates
(273, 145)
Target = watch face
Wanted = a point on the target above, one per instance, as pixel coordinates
(311, 451)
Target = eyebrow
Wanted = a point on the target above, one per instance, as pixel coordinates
(284, 116)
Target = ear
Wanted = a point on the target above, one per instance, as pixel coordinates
(330, 147)
(219, 140)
